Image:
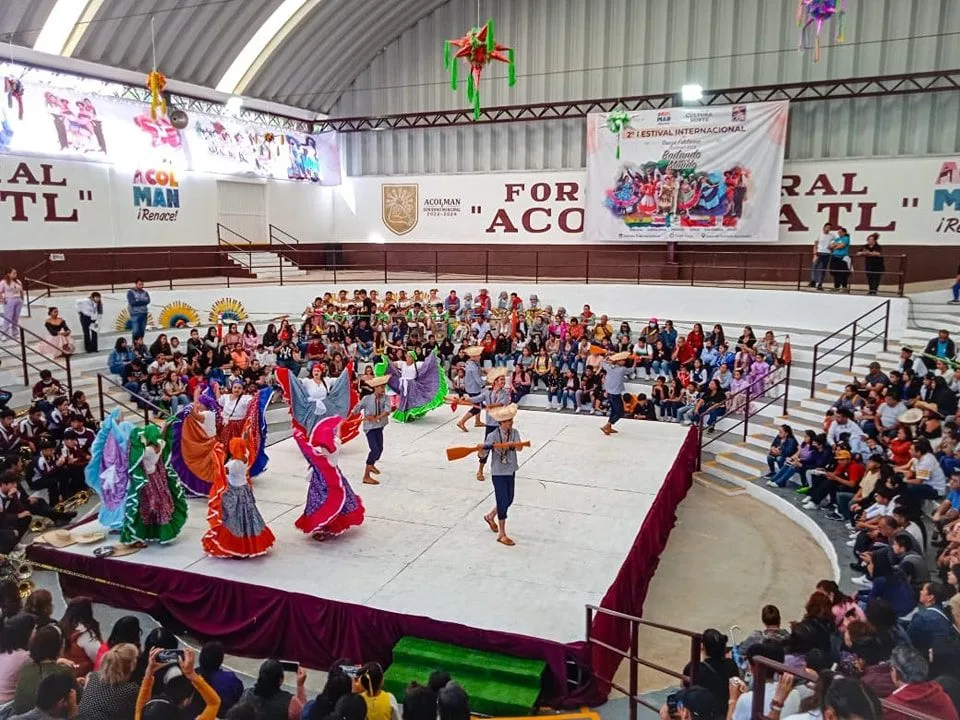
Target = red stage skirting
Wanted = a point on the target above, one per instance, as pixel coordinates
(256, 621)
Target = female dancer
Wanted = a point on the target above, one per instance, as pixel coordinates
(237, 528)
(234, 408)
(107, 473)
(421, 389)
(195, 444)
(308, 408)
(156, 508)
(242, 415)
(332, 507)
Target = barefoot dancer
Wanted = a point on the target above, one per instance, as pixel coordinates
(473, 386)
(375, 409)
(496, 396)
(504, 468)
(616, 368)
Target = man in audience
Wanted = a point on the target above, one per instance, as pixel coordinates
(942, 346)
(10, 441)
(933, 621)
(909, 670)
(909, 361)
(46, 390)
(770, 617)
(56, 698)
(138, 304)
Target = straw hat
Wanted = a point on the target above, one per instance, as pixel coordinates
(57, 538)
(495, 373)
(377, 381)
(119, 550)
(507, 412)
(617, 357)
(474, 351)
(87, 536)
(910, 417)
(932, 407)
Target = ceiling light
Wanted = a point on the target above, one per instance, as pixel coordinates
(691, 93)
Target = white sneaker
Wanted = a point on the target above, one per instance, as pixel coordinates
(852, 542)
(771, 483)
(849, 526)
(862, 580)
(578, 409)
(808, 505)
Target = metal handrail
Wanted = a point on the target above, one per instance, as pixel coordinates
(850, 355)
(632, 655)
(274, 228)
(221, 242)
(764, 669)
(25, 364)
(145, 405)
(748, 411)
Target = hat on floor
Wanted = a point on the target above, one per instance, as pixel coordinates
(495, 373)
(57, 538)
(119, 550)
(617, 357)
(910, 417)
(474, 351)
(507, 412)
(377, 381)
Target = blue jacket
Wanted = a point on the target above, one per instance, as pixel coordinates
(118, 360)
(729, 359)
(929, 625)
(138, 301)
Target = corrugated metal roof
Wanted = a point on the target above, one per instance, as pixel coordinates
(21, 20)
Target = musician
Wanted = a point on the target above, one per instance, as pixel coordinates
(473, 386)
(17, 464)
(375, 408)
(496, 396)
(10, 441)
(14, 517)
(503, 468)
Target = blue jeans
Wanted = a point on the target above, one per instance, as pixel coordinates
(553, 394)
(616, 407)
(956, 291)
(177, 402)
(685, 414)
(775, 462)
(138, 325)
(570, 395)
(711, 416)
(365, 350)
(820, 266)
(500, 359)
(843, 505)
(375, 443)
(660, 367)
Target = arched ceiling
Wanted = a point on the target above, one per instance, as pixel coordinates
(322, 50)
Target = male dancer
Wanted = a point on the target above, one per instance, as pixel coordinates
(616, 370)
(504, 469)
(494, 397)
(473, 386)
(376, 414)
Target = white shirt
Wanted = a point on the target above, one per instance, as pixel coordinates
(836, 430)
(928, 470)
(234, 408)
(236, 472)
(823, 242)
(208, 421)
(150, 458)
(86, 306)
(317, 392)
(745, 702)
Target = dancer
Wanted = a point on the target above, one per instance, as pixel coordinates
(616, 369)
(195, 443)
(307, 410)
(492, 398)
(107, 473)
(332, 507)
(234, 408)
(375, 410)
(237, 529)
(504, 443)
(421, 389)
(473, 386)
(156, 507)
(244, 415)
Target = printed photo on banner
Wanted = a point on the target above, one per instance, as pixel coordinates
(709, 173)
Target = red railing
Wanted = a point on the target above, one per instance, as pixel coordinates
(879, 314)
(365, 263)
(635, 661)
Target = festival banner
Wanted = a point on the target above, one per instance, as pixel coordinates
(709, 174)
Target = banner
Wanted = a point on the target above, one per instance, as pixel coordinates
(53, 122)
(709, 174)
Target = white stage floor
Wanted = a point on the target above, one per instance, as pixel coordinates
(424, 548)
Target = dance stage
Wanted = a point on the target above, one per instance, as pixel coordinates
(591, 516)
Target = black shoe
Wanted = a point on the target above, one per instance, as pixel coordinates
(820, 288)
(811, 284)
(834, 515)
(858, 567)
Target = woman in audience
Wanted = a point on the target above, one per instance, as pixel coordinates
(119, 357)
(715, 668)
(81, 635)
(44, 661)
(177, 693)
(250, 339)
(845, 608)
(783, 447)
(40, 604)
(695, 338)
(381, 705)
(14, 640)
(338, 685)
(659, 359)
(711, 406)
(125, 630)
(717, 337)
(818, 616)
(747, 339)
(161, 346)
(10, 601)
(889, 583)
(269, 698)
(521, 382)
(110, 693)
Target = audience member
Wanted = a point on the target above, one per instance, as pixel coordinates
(56, 697)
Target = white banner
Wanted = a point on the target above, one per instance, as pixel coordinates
(706, 173)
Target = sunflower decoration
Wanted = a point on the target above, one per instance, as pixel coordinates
(230, 309)
(178, 315)
(123, 321)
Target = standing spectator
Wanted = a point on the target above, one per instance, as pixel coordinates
(138, 301)
(840, 260)
(11, 302)
(872, 262)
(909, 670)
(821, 256)
(90, 310)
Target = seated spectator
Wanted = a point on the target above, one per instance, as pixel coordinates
(39, 603)
(14, 641)
(125, 630)
(923, 477)
(843, 425)
(14, 516)
(81, 635)
(338, 685)
(644, 409)
(111, 691)
(381, 705)
(177, 693)
(32, 427)
(55, 697)
(942, 346)
(224, 683)
(889, 582)
(770, 617)
(47, 390)
(46, 472)
(845, 472)
(715, 668)
(453, 703)
(844, 607)
(909, 670)
(10, 441)
(269, 698)
(784, 446)
(741, 698)
(419, 703)
(933, 621)
(45, 646)
(521, 382)
(711, 406)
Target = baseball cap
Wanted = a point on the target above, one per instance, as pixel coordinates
(700, 702)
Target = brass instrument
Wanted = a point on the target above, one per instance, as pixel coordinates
(74, 502)
(40, 524)
(17, 568)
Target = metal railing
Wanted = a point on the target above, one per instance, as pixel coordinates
(632, 654)
(754, 402)
(857, 328)
(764, 670)
(143, 406)
(365, 263)
(24, 351)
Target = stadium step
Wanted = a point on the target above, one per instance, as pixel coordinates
(266, 265)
